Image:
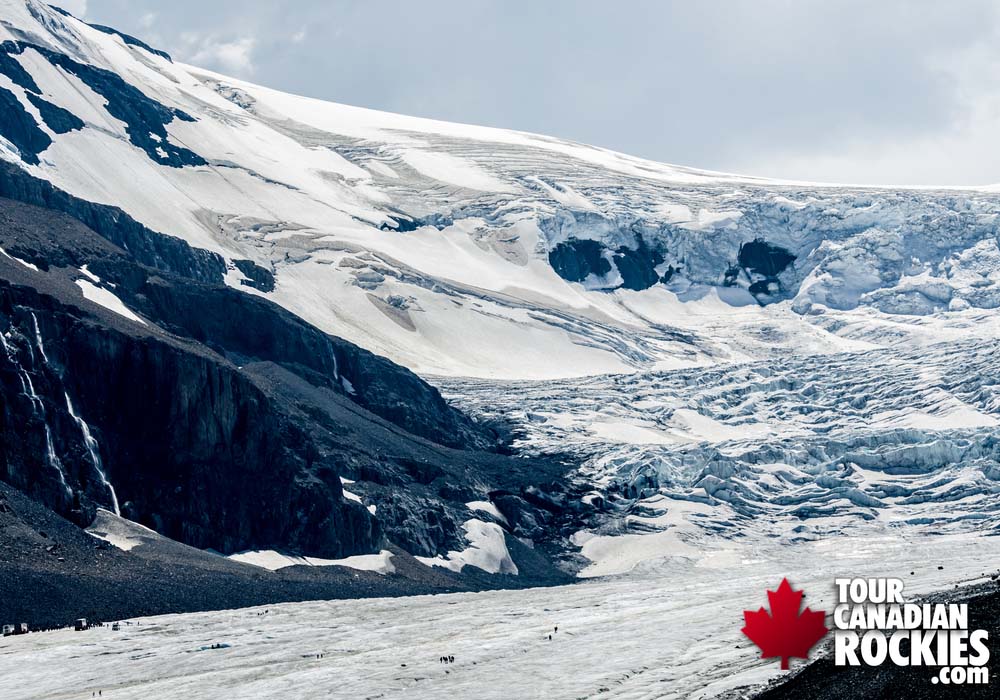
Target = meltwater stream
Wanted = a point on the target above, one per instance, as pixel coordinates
(95, 457)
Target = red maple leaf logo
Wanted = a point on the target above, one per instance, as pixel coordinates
(784, 632)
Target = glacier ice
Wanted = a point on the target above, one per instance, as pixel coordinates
(667, 632)
(797, 449)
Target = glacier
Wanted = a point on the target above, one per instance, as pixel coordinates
(747, 378)
(796, 450)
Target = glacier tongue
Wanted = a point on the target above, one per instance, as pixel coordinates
(671, 633)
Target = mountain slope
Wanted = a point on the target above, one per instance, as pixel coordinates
(216, 417)
(461, 250)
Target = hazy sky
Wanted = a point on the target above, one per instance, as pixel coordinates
(894, 91)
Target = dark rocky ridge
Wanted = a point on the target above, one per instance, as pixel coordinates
(219, 467)
(56, 118)
(144, 245)
(131, 40)
(249, 328)
(145, 118)
(19, 127)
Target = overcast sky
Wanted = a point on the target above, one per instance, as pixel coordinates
(894, 91)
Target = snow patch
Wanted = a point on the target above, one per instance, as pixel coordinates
(27, 264)
(93, 278)
(487, 507)
(380, 563)
(122, 533)
(487, 550)
(347, 494)
(107, 299)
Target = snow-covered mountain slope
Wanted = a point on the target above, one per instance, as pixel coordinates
(712, 381)
(470, 251)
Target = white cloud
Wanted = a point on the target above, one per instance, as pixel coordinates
(960, 152)
(78, 8)
(235, 56)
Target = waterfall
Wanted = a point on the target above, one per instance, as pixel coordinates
(54, 461)
(38, 408)
(38, 339)
(95, 456)
(29, 389)
(26, 385)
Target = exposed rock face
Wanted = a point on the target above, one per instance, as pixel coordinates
(145, 118)
(639, 267)
(20, 128)
(401, 224)
(56, 118)
(219, 420)
(248, 327)
(53, 572)
(763, 262)
(633, 268)
(191, 443)
(256, 276)
(760, 257)
(575, 260)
